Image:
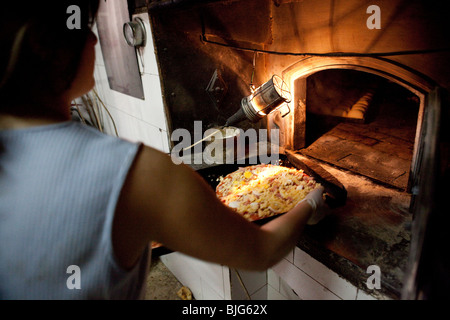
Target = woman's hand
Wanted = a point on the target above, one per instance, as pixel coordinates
(316, 201)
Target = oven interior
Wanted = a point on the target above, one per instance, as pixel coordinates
(361, 123)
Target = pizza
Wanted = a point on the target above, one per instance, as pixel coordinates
(264, 190)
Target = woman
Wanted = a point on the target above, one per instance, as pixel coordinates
(78, 203)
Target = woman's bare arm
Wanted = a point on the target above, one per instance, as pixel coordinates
(172, 204)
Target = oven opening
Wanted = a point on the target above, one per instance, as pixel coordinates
(362, 129)
(361, 123)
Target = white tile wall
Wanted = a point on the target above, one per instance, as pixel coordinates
(296, 277)
(261, 294)
(326, 277)
(361, 295)
(255, 283)
(305, 287)
(136, 119)
(207, 281)
(290, 256)
(278, 289)
(303, 277)
(273, 294)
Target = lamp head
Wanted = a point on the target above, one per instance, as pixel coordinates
(264, 100)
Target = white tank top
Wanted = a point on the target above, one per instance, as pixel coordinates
(59, 185)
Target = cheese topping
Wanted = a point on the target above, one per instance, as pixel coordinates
(262, 191)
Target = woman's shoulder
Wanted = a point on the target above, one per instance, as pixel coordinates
(92, 138)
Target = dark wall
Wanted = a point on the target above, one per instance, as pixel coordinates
(187, 62)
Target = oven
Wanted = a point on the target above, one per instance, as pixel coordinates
(368, 102)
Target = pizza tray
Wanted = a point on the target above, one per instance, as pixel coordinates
(336, 194)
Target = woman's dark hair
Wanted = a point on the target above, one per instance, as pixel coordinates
(41, 47)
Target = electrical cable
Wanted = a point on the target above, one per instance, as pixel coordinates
(15, 50)
(88, 107)
(329, 54)
(107, 111)
(93, 110)
(252, 87)
(77, 110)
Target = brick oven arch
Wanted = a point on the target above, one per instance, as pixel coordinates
(402, 75)
(292, 126)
